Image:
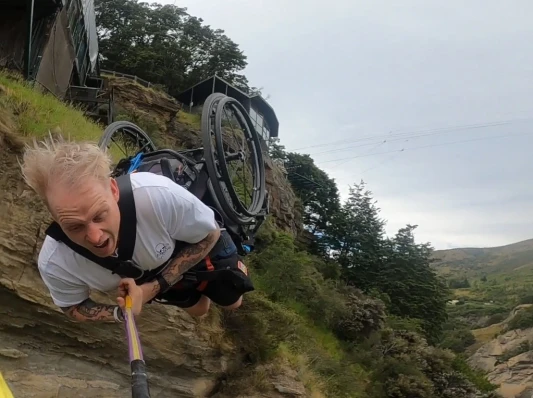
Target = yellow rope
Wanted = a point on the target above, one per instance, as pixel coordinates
(5, 392)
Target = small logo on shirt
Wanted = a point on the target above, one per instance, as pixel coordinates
(161, 249)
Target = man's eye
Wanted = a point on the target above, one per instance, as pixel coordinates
(75, 228)
(98, 218)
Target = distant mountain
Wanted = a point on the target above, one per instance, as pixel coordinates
(478, 261)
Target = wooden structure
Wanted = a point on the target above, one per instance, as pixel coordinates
(54, 44)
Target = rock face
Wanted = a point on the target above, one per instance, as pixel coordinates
(283, 201)
(131, 95)
(514, 375)
(43, 354)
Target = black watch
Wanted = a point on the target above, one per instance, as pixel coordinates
(163, 284)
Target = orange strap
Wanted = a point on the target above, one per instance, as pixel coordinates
(210, 267)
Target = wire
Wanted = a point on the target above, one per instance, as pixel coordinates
(371, 149)
(432, 130)
(424, 146)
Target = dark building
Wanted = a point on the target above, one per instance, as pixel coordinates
(52, 42)
(262, 115)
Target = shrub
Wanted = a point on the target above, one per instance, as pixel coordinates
(522, 320)
(261, 325)
(457, 340)
(527, 299)
(289, 276)
(495, 318)
(364, 315)
(476, 377)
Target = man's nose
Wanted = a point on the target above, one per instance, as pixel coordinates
(94, 234)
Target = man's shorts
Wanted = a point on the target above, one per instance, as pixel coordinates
(226, 289)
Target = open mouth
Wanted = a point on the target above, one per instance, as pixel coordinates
(103, 245)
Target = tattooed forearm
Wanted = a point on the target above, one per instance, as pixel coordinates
(90, 311)
(186, 259)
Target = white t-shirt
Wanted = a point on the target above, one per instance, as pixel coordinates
(165, 212)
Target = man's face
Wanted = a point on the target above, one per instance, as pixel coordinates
(88, 214)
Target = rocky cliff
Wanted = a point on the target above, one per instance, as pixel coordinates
(508, 360)
(43, 354)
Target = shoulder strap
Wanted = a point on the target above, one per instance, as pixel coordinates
(127, 231)
(128, 218)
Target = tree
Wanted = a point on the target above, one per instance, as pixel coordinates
(396, 267)
(357, 239)
(415, 290)
(165, 45)
(459, 283)
(318, 193)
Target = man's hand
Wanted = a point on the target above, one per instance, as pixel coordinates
(128, 287)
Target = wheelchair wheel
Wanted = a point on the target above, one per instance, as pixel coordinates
(233, 157)
(123, 141)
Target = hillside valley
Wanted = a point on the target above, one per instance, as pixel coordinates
(476, 262)
(491, 311)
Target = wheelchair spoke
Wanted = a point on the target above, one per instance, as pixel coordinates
(243, 195)
(128, 140)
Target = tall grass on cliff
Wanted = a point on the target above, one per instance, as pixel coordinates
(36, 114)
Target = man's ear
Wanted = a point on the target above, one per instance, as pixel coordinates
(114, 189)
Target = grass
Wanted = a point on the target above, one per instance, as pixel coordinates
(464, 293)
(154, 88)
(36, 114)
(190, 119)
(485, 335)
(277, 334)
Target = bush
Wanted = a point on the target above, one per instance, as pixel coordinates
(522, 320)
(261, 325)
(364, 315)
(474, 376)
(457, 340)
(527, 299)
(404, 324)
(496, 318)
(289, 276)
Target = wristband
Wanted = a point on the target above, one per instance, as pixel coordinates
(163, 284)
(118, 318)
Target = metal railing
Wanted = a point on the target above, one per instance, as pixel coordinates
(136, 79)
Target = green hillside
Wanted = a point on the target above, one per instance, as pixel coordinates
(501, 276)
(476, 262)
(487, 283)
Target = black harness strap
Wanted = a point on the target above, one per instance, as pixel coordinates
(128, 218)
(166, 169)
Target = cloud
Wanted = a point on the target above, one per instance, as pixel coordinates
(343, 70)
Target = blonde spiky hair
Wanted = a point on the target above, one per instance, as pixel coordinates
(60, 160)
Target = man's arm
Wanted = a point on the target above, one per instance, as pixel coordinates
(65, 290)
(187, 219)
(89, 310)
(185, 260)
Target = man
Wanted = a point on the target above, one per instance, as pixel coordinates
(73, 180)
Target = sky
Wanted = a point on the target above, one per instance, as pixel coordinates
(430, 103)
